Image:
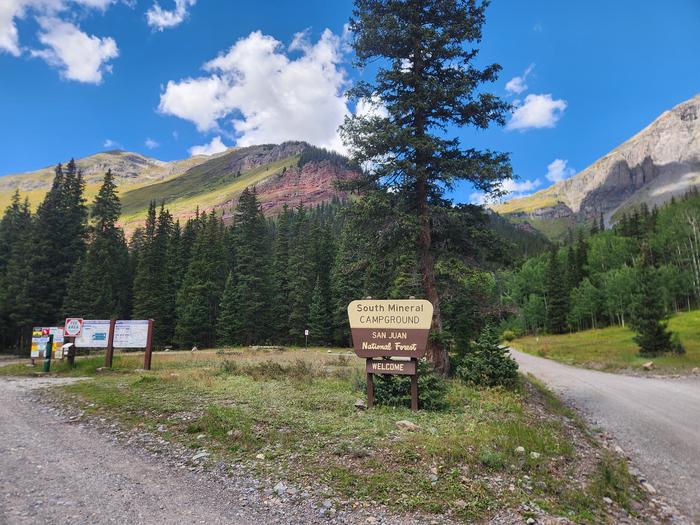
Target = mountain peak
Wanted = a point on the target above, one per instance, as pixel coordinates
(659, 162)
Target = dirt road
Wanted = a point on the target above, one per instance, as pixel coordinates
(656, 421)
(57, 471)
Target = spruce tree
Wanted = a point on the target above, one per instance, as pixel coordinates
(320, 315)
(648, 315)
(228, 312)
(15, 241)
(59, 237)
(251, 285)
(300, 276)
(99, 286)
(428, 81)
(280, 275)
(557, 295)
(199, 297)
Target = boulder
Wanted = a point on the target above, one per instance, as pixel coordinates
(409, 426)
(649, 365)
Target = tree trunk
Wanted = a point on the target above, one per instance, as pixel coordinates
(437, 352)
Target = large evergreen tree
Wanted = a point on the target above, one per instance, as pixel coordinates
(15, 243)
(199, 297)
(99, 287)
(250, 288)
(557, 295)
(427, 79)
(648, 315)
(59, 238)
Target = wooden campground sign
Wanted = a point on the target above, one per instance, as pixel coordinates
(390, 328)
(396, 331)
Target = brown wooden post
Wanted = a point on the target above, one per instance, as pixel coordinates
(370, 389)
(109, 356)
(149, 346)
(414, 388)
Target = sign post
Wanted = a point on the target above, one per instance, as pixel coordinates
(149, 347)
(391, 329)
(109, 355)
(48, 351)
(306, 339)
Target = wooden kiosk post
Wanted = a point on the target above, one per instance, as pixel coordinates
(149, 347)
(109, 355)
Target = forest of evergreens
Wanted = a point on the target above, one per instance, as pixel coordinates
(256, 281)
(650, 259)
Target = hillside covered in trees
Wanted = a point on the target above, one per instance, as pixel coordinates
(601, 277)
(256, 280)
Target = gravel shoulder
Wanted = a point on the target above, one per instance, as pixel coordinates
(656, 421)
(55, 469)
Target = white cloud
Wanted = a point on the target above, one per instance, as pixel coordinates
(151, 144)
(537, 111)
(159, 18)
(517, 85)
(12, 10)
(77, 55)
(512, 189)
(215, 146)
(267, 96)
(111, 144)
(558, 170)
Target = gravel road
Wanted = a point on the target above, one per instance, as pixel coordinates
(656, 421)
(57, 470)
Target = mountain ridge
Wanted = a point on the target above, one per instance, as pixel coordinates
(283, 174)
(660, 161)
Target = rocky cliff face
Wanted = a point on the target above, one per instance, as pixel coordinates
(659, 162)
(311, 185)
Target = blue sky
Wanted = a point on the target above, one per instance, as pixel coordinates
(81, 76)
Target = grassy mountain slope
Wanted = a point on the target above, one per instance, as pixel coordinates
(131, 170)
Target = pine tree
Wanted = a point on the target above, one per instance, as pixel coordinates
(228, 312)
(300, 276)
(280, 275)
(15, 241)
(320, 315)
(59, 237)
(99, 286)
(251, 282)
(557, 296)
(428, 81)
(199, 297)
(648, 315)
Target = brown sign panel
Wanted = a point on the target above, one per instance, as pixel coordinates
(387, 366)
(384, 328)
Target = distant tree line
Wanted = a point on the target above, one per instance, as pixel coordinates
(648, 264)
(256, 281)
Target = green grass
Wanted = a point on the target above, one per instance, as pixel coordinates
(613, 349)
(297, 409)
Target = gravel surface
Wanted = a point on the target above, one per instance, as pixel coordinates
(58, 468)
(655, 421)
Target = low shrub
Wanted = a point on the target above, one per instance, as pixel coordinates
(487, 363)
(508, 335)
(676, 344)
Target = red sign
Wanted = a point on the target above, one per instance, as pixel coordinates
(73, 327)
(45, 331)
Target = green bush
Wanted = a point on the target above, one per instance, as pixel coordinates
(676, 344)
(487, 363)
(508, 335)
(395, 390)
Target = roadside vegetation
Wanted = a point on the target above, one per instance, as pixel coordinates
(613, 348)
(635, 274)
(291, 416)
